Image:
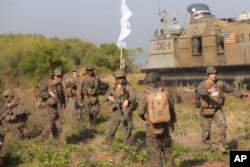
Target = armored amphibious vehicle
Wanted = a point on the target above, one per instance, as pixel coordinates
(182, 54)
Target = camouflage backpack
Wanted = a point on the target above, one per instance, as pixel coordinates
(158, 110)
(39, 101)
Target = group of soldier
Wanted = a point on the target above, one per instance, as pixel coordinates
(77, 93)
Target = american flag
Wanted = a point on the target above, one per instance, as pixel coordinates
(229, 37)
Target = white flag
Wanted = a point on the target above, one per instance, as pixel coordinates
(125, 24)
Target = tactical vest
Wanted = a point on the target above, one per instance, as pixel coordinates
(91, 86)
(71, 85)
(122, 93)
(213, 100)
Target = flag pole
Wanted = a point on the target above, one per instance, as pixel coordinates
(121, 59)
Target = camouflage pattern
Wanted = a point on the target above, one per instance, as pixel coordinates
(14, 116)
(71, 83)
(89, 67)
(88, 92)
(211, 70)
(8, 92)
(158, 146)
(120, 73)
(218, 116)
(51, 110)
(150, 77)
(123, 93)
(58, 71)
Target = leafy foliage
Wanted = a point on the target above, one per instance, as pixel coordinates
(28, 58)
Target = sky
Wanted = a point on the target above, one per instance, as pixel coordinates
(98, 21)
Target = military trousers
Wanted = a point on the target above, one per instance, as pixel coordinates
(91, 111)
(159, 148)
(113, 124)
(205, 124)
(52, 124)
(73, 112)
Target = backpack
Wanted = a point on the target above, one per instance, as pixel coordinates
(39, 101)
(158, 107)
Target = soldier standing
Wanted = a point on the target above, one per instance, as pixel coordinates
(71, 83)
(121, 97)
(90, 87)
(212, 101)
(14, 116)
(53, 95)
(159, 145)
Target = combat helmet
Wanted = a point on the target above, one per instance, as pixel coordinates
(211, 70)
(89, 67)
(120, 73)
(151, 77)
(58, 72)
(8, 92)
(75, 69)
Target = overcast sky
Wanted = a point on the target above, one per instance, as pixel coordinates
(98, 21)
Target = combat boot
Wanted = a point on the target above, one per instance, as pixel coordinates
(206, 146)
(222, 148)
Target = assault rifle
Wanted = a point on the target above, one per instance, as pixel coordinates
(4, 113)
(117, 104)
(59, 99)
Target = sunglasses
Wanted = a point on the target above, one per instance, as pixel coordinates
(58, 76)
(6, 97)
(120, 77)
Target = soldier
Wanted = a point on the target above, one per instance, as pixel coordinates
(158, 146)
(53, 95)
(122, 97)
(70, 83)
(212, 101)
(14, 116)
(90, 88)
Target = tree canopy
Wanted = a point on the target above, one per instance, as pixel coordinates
(25, 59)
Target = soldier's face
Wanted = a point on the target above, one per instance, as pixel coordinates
(75, 74)
(212, 77)
(58, 78)
(121, 80)
(90, 72)
(7, 99)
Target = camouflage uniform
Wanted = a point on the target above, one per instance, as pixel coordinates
(120, 94)
(53, 95)
(211, 108)
(14, 116)
(88, 92)
(158, 146)
(71, 83)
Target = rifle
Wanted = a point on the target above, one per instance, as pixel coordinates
(117, 104)
(4, 113)
(59, 100)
